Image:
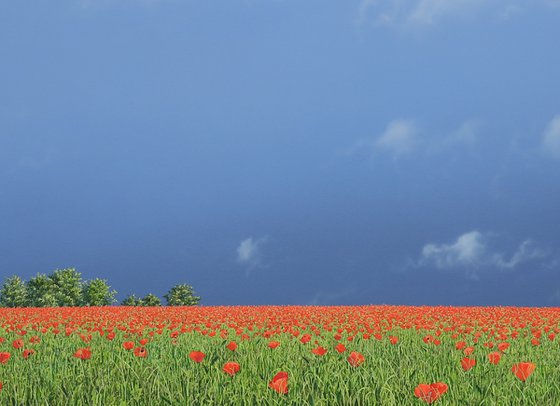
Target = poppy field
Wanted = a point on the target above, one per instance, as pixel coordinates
(280, 355)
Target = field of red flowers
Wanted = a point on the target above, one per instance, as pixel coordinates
(366, 355)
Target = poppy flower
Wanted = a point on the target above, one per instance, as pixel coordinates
(197, 356)
(144, 341)
(231, 368)
(273, 344)
(305, 338)
(83, 353)
(141, 352)
(232, 346)
(280, 382)
(523, 370)
(460, 345)
(430, 393)
(503, 346)
(319, 351)
(27, 353)
(17, 343)
(393, 339)
(340, 348)
(468, 351)
(355, 358)
(494, 357)
(4, 357)
(467, 363)
(128, 345)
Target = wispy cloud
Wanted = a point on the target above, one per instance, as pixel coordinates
(472, 251)
(399, 138)
(420, 13)
(551, 137)
(249, 253)
(404, 137)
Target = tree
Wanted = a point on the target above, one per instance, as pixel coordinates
(13, 293)
(97, 292)
(181, 295)
(68, 284)
(151, 300)
(131, 300)
(41, 291)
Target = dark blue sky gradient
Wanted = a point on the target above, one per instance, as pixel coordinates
(144, 141)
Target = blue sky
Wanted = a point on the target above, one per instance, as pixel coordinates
(285, 152)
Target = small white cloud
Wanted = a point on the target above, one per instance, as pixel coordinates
(466, 251)
(422, 13)
(400, 137)
(249, 252)
(471, 252)
(466, 134)
(551, 137)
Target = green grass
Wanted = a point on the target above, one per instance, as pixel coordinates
(167, 376)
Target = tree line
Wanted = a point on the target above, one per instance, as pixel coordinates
(65, 287)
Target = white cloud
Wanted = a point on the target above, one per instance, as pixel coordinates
(417, 13)
(471, 252)
(551, 137)
(466, 134)
(466, 251)
(400, 137)
(249, 252)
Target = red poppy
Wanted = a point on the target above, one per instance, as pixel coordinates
(494, 357)
(27, 353)
(232, 346)
(280, 382)
(468, 351)
(141, 352)
(83, 353)
(523, 370)
(4, 357)
(430, 393)
(340, 348)
(305, 338)
(197, 356)
(231, 368)
(460, 345)
(503, 346)
(393, 339)
(467, 363)
(144, 341)
(17, 343)
(355, 358)
(273, 344)
(319, 351)
(128, 345)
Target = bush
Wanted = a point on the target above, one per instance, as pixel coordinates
(181, 295)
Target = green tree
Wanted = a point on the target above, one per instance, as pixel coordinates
(131, 300)
(68, 284)
(13, 292)
(151, 300)
(41, 291)
(181, 295)
(97, 292)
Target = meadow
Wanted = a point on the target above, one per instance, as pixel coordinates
(280, 355)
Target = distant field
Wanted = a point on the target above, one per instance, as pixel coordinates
(365, 355)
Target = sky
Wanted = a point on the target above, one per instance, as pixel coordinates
(285, 152)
